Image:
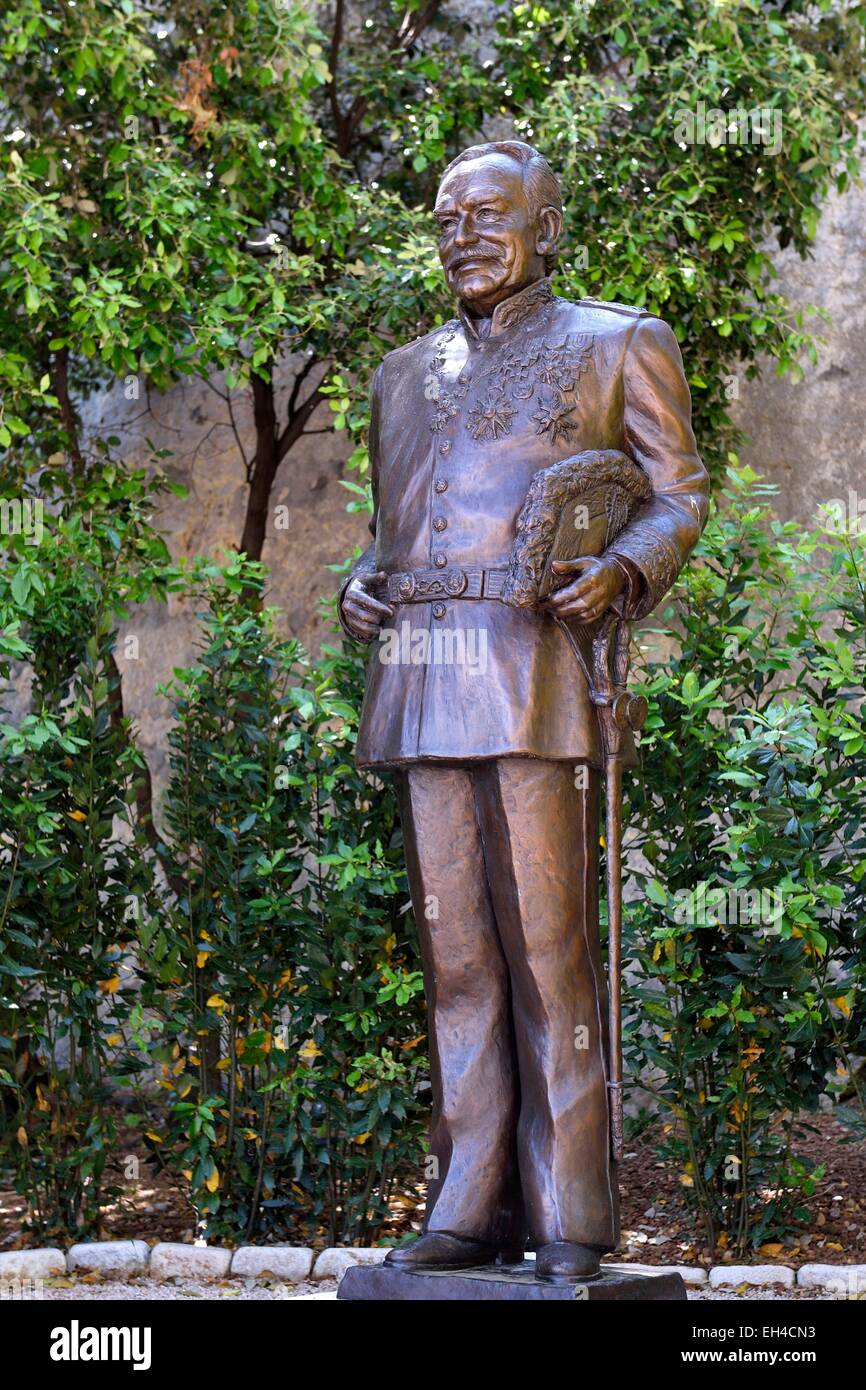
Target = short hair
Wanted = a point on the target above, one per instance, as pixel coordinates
(539, 181)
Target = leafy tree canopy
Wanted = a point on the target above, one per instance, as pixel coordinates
(212, 187)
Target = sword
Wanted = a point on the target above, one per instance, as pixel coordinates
(618, 710)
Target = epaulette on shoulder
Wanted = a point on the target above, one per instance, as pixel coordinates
(615, 308)
(427, 338)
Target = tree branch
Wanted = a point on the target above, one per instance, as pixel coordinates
(346, 124)
(143, 783)
(67, 412)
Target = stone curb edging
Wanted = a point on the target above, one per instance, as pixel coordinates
(294, 1264)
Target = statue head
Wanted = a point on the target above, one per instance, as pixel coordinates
(499, 212)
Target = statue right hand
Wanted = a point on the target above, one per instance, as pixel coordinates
(363, 614)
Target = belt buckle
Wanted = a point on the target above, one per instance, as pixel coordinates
(456, 582)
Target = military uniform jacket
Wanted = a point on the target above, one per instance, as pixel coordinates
(459, 425)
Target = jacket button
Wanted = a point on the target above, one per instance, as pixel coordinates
(441, 485)
(440, 559)
(439, 610)
(439, 523)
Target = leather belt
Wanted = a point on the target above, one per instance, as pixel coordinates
(422, 586)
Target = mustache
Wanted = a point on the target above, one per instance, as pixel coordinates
(479, 253)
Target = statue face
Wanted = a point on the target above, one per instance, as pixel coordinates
(491, 243)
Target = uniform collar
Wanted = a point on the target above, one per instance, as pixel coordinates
(512, 311)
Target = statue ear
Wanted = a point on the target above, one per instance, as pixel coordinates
(549, 231)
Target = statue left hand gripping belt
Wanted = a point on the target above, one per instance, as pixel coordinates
(526, 427)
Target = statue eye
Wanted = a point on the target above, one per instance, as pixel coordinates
(486, 213)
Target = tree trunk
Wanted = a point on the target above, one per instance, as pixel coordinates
(67, 413)
(265, 466)
(271, 449)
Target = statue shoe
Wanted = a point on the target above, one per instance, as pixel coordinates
(438, 1250)
(563, 1262)
(511, 1255)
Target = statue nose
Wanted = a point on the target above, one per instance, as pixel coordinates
(465, 233)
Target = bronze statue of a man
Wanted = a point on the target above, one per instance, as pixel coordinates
(497, 757)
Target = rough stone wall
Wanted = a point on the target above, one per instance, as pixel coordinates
(809, 438)
(191, 421)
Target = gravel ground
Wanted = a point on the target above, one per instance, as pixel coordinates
(137, 1290)
(708, 1295)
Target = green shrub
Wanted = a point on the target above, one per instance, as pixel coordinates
(288, 1028)
(748, 853)
(74, 884)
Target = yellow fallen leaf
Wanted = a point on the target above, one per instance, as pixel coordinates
(201, 960)
(309, 1052)
(362, 1138)
(687, 1180)
(843, 1004)
(114, 1040)
(217, 1002)
(772, 1248)
(109, 986)
(21, 1136)
(151, 1134)
(213, 1182)
(76, 815)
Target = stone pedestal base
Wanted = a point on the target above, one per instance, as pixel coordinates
(378, 1283)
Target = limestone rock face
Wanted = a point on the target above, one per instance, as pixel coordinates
(846, 1281)
(291, 1263)
(114, 1259)
(756, 1276)
(810, 437)
(308, 526)
(333, 1262)
(16, 1266)
(174, 1261)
